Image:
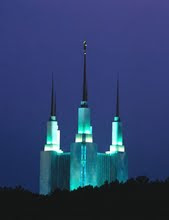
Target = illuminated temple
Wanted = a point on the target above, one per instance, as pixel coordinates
(84, 165)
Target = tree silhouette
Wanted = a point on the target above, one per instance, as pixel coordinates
(140, 197)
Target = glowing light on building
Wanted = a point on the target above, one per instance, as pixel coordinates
(53, 132)
(83, 165)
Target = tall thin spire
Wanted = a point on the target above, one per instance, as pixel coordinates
(84, 74)
(53, 102)
(117, 98)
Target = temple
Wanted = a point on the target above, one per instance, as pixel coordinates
(83, 165)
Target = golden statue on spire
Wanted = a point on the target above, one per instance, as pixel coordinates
(84, 44)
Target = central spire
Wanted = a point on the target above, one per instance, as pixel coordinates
(84, 98)
(53, 102)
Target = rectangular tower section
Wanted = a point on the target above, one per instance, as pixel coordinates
(112, 167)
(54, 171)
(63, 171)
(83, 165)
(103, 168)
(84, 126)
(122, 166)
(47, 169)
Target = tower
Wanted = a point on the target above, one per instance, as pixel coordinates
(53, 161)
(83, 153)
(117, 136)
(117, 152)
(53, 132)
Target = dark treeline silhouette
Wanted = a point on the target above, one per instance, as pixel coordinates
(139, 197)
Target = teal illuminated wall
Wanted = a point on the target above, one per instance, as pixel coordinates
(54, 171)
(117, 137)
(83, 165)
(53, 136)
(84, 126)
(83, 154)
(111, 167)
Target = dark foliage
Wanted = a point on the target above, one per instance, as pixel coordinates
(137, 197)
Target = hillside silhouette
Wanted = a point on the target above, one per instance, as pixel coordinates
(137, 197)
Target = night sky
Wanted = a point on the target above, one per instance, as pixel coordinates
(38, 37)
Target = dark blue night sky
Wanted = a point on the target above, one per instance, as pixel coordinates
(38, 37)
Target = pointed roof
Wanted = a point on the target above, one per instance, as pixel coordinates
(53, 102)
(85, 96)
(117, 98)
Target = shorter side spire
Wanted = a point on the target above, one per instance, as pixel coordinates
(53, 101)
(117, 98)
(55, 104)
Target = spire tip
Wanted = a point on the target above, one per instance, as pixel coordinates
(117, 97)
(84, 44)
(53, 102)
